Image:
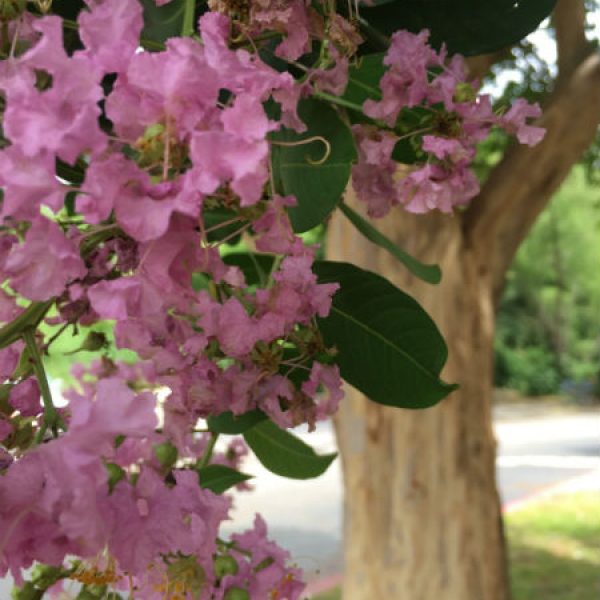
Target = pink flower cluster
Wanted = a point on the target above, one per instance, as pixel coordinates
(161, 138)
(114, 162)
(456, 120)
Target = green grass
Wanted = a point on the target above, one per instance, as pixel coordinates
(554, 550)
(332, 595)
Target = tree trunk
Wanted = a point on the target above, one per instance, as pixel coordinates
(422, 514)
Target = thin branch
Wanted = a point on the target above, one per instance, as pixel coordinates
(479, 66)
(571, 43)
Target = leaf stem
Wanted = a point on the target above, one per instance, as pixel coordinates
(31, 316)
(208, 451)
(189, 12)
(339, 101)
(51, 417)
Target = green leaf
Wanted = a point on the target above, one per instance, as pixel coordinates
(74, 174)
(300, 170)
(363, 79)
(469, 27)
(388, 347)
(428, 273)
(256, 267)
(229, 424)
(284, 454)
(162, 22)
(219, 478)
(220, 224)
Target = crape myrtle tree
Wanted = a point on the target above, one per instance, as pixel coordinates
(422, 511)
(160, 162)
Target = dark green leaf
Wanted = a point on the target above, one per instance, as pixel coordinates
(115, 474)
(200, 281)
(219, 478)
(68, 10)
(284, 454)
(428, 273)
(469, 27)
(70, 203)
(217, 223)
(389, 348)
(229, 424)
(161, 23)
(363, 79)
(256, 267)
(72, 174)
(300, 170)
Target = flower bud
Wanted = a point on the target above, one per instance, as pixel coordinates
(166, 454)
(236, 593)
(225, 565)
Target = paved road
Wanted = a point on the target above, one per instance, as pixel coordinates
(534, 452)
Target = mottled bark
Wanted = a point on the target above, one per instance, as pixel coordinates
(422, 513)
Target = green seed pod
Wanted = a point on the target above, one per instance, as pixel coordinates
(225, 565)
(166, 454)
(236, 593)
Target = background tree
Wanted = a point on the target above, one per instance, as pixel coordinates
(422, 511)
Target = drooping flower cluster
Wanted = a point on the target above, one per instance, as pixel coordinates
(187, 133)
(453, 120)
(126, 174)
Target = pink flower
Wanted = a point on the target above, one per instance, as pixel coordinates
(406, 82)
(373, 175)
(515, 121)
(28, 184)
(5, 428)
(45, 263)
(125, 297)
(25, 397)
(114, 411)
(432, 187)
(111, 33)
(176, 87)
(275, 580)
(237, 333)
(150, 520)
(6, 459)
(62, 119)
(274, 225)
(448, 148)
(326, 378)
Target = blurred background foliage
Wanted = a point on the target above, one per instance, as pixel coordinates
(548, 328)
